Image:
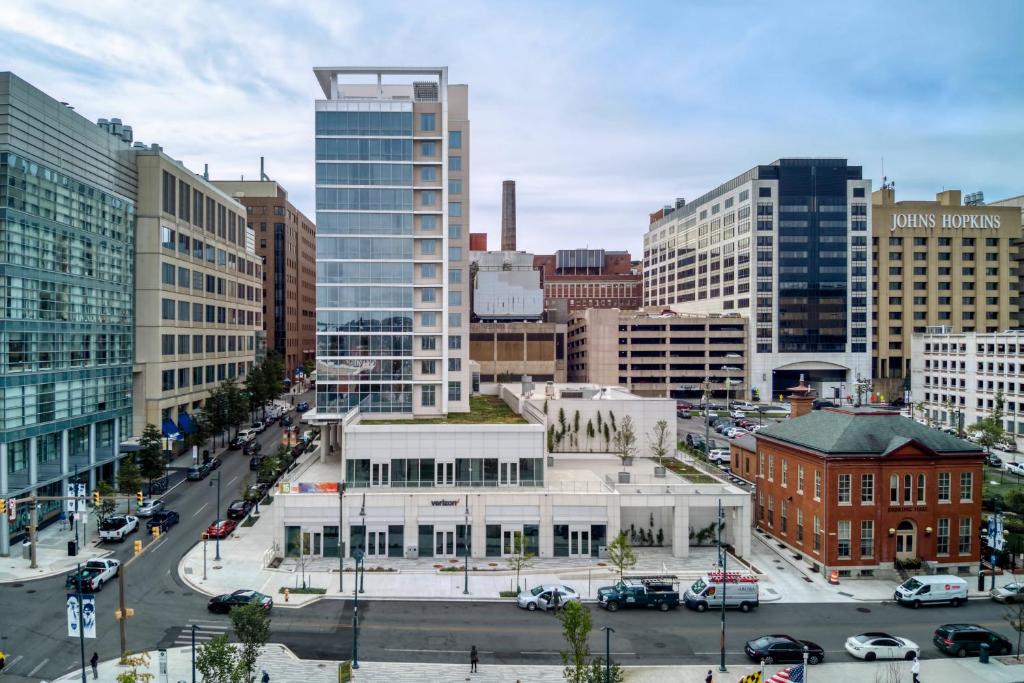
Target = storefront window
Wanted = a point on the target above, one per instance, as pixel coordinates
(463, 540)
(292, 541)
(598, 537)
(493, 540)
(357, 538)
(357, 472)
(531, 472)
(491, 472)
(426, 539)
(330, 541)
(396, 540)
(561, 540)
(531, 539)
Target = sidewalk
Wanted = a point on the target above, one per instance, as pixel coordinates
(52, 553)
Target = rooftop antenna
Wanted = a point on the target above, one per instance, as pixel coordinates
(263, 176)
(206, 171)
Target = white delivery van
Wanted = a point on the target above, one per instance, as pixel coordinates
(920, 590)
(735, 589)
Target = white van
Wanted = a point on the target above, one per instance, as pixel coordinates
(919, 590)
(740, 590)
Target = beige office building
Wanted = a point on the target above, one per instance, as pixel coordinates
(507, 351)
(660, 354)
(198, 293)
(938, 263)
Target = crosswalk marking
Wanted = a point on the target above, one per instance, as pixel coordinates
(205, 631)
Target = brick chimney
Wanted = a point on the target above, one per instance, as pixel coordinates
(801, 399)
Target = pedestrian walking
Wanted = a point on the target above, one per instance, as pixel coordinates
(474, 659)
(915, 669)
(95, 662)
(709, 678)
(266, 677)
(556, 600)
(71, 520)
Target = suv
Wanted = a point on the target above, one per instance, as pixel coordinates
(966, 639)
(719, 455)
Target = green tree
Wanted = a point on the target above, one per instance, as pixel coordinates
(308, 366)
(625, 440)
(151, 454)
(595, 674)
(988, 431)
(590, 432)
(236, 404)
(107, 503)
(133, 675)
(217, 661)
(576, 627)
(519, 559)
(252, 626)
(620, 554)
(129, 479)
(659, 440)
(1015, 616)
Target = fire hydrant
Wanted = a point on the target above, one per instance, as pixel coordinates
(286, 594)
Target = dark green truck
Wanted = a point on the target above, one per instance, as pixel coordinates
(661, 592)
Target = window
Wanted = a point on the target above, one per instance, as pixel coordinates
(455, 139)
(799, 525)
(428, 198)
(799, 478)
(843, 539)
(760, 465)
(428, 367)
(943, 487)
(964, 536)
(428, 295)
(764, 192)
(817, 484)
(908, 493)
(867, 489)
(428, 173)
(167, 380)
(167, 344)
(966, 486)
(428, 395)
(454, 342)
(942, 537)
(428, 318)
(894, 489)
(455, 163)
(428, 123)
(454, 298)
(454, 187)
(428, 270)
(454, 231)
(454, 253)
(167, 274)
(454, 364)
(455, 209)
(454, 391)
(167, 309)
(428, 343)
(817, 534)
(844, 489)
(867, 539)
(454, 276)
(771, 511)
(166, 238)
(428, 149)
(771, 467)
(428, 247)
(785, 473)
(454, 320)
(169, 186)
(920, 489)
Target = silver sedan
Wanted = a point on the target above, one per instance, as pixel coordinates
(543, 597)
(148, 508)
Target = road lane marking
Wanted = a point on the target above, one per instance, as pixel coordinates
(200, 509)
(173, 487)
(233, 480)
(39, 666)
(14, 661)
(555, 654)
(447, 652)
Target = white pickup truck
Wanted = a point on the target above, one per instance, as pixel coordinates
(117, 527)
(94, 574)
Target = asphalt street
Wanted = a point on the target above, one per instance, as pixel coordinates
(33, 630)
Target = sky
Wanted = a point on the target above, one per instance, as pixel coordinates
(602, 112)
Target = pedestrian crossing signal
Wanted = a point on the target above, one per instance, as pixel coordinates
(138, 497)
(96, 498)
(752, 678)
(3, 506)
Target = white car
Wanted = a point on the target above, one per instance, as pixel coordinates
(1015, 468)
(719, 455)
(542, 597)
(872, 646)
(737, 414)
(736, 432)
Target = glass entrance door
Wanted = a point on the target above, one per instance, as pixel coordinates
(444, 543)
(905, 536)
(376, 543)
(579, 542)
(445, 474)
(380, 474)
(312, 543)
(509, 474)
(512, 541)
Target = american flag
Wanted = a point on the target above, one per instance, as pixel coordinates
(794, 674)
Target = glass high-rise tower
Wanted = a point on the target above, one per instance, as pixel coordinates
(392, 202)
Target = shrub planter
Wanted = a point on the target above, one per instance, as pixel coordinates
(623, 477)
(659, 472)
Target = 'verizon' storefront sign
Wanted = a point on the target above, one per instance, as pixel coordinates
(949, 221)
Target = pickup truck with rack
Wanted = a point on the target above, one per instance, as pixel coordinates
(661, 592)
(94, 574)
(117, 527)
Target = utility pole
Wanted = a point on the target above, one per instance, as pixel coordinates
(465, 573)
(216, 557)
(341, 536)
(81, 616)
(725, 581)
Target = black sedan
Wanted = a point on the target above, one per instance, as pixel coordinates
(197, 472)
(993, 460)
(164, 519)
(224, 603)
(239, 509)
(255, 462)
(252, 448)
(776, 649)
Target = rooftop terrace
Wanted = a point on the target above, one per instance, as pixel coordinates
(482, 410)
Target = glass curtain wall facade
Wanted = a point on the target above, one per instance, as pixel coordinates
(66, 299)
(389, 309)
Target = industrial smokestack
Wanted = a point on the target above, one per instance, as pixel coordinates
(508, 215)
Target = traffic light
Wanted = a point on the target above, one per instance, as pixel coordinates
(3, 506)
(138, 497)
(96, 498)
(155, 531)
(138, 547)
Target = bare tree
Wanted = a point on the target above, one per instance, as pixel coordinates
(659, 440)
(625, 441)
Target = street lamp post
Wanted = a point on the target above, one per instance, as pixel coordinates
(362, 577)
(707, 416)
(608, 631)
(341, 535)
(216, 556)
(193, 653)
(465, 572)
(721, 559)
(358, 555)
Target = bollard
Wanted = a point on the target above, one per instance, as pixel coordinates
(286, 595)
(983, 650)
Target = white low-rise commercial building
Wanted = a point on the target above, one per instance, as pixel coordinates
(957, 377)
(437, 487)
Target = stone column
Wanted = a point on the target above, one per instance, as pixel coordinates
(116, 445)
(65, 452)
(478, 518)
(545, 531)
(681, 527)
(92, 456)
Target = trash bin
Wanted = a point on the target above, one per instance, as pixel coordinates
(983, 649)
(26, 549)
(72, 548)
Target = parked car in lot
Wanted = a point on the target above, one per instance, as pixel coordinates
(197, 472)
(1011, 592)
(718, 455)
(255, 462)
(645, 591)
(238, 509)
(542, 597)
(148, 508)
(694, 440)
(872, 646)
(993, 460)
(302, 406)
(1015, 468)
(683, 414)
(820, 403)
(778, 648)
(258, 426)
(224, 603)
(164, 519)
(737, 414)
(966, 639)
(221, 529)
(94, 574)
(252, 448)
(117, 527)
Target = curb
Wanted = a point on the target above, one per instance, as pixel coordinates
(56, 572)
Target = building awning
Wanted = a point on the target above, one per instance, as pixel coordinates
(185, 423)
(171, 430)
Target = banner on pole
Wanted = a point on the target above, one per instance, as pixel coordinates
(87, 624)
(69, 505)
(81, 498)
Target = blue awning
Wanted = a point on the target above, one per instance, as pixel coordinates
(171, 430)
(185, 423)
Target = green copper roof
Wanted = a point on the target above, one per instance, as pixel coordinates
(853, 431)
